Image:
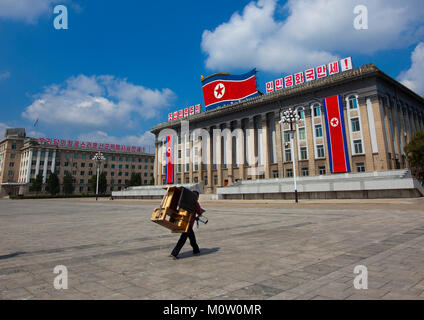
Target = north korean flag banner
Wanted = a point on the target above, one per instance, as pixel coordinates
(220, 89)
(336, 134)
(169, 159)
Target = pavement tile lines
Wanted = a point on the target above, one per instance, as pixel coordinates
(316, 253)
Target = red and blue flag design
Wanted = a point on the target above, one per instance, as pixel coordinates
(221, 89)
(336, 134)
(169, 159)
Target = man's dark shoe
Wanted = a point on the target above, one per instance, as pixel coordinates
(196, 252)
(173, 257)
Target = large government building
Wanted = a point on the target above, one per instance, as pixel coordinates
(380, 117)
(22, 158)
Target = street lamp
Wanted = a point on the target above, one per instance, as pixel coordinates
(98, 157)
(291, 117)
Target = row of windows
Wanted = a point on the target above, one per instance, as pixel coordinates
(90, 165)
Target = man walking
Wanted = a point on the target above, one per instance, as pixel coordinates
(190, 233)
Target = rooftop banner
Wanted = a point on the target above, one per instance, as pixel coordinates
(222, 88)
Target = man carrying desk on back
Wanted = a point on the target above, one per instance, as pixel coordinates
(189, 233)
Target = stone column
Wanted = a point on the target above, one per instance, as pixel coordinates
(191, 163)
(229, 153)
(37, 165)
(279, 144)
(265, 145)
(46, 159)
(156, 166)
(241, 150)
(53, 161)
(28, 177)
(209, 187)
(251, 147)
(218, 157)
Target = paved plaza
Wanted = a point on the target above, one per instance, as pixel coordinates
(249, 250)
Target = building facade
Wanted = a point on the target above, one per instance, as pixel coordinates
(23, 158)
(380, 117)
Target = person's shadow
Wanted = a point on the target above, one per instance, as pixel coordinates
(203, 251)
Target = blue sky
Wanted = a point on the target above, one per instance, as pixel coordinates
(122, 66)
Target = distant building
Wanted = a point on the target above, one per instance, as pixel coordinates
(22, 158)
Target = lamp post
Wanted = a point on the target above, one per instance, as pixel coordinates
(98, 157)
(291, 118)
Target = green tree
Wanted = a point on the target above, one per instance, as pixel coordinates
(415, 153)
(37, 184)
(53, 185)
(68, 185)
(102, 183)
(135, 179)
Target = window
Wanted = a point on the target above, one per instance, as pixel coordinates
(303, 153)
(206, 180)
(75, 156)
(187, 180)
(74, 172)
(127, 166)
(84, 156)
(187, 167)
(305, 172)
(90, 165)
(318, 130)
(289, 172)
(83, 165)
(215, 180)
(113, 158)
(301, 113)
(81, 181)
(302, 134)
(353, 102)
(112, 166)
(358, 146)
(12, 156)
(317, 110)
(82, 173)
(275, 174)
(126, 174)
(286, 136)
(75, 164)
(11, 164)
(179, 168)
(179, 154)
(120, 166)
(355, 125)
(14, 146)
(360, 167)
(112, 173)
(321, 170)
(196, 167)
(287, 154)
(90, 173)
(320, 151)
(196, 180)
(66, 164)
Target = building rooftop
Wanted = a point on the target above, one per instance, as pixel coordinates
(365, 71)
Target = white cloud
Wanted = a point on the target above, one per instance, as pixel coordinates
(97, 102)
(27, 11)
(413, 78)
(4, 75)
(3, 128)
(313, 32)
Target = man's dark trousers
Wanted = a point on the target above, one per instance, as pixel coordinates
(182, 241)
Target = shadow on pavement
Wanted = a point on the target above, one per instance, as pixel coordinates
(203, 251)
